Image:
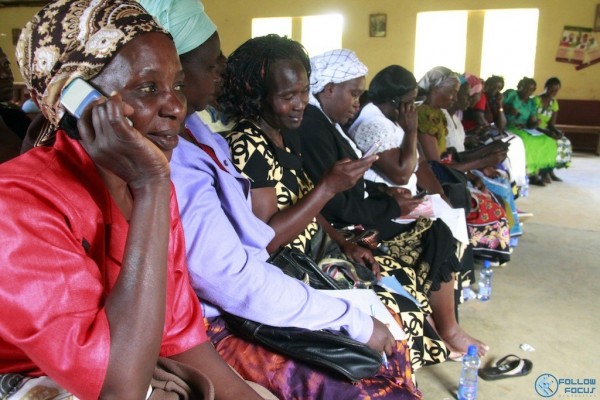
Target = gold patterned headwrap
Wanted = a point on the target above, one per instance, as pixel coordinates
(75, 38)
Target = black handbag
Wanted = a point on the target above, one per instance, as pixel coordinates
(333, 351)
(300, 266)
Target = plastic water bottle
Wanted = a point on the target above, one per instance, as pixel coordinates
(485, 281)
(468, 293)
(525, 188)
(467, 385)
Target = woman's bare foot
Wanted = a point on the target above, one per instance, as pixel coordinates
(458, 341)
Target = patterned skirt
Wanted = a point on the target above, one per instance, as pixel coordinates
(421, 259)
(290, 379)
(502, 188)
(489, 231)
(564, 152)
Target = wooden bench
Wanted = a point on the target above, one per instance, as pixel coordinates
(580, 121)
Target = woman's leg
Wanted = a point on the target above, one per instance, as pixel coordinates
(442, 306)
(545, 174)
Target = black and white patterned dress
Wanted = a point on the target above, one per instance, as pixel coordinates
(266, 165)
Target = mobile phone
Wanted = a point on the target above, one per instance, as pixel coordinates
(421, 194)
(76, 96)
(372, 149)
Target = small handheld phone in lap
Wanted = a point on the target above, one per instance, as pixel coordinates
(372, 149)
(421, 194)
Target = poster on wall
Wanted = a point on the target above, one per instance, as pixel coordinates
(579, 46)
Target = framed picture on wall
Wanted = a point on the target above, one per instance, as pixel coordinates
(597, 20)
(377, 25)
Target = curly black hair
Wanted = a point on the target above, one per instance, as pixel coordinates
(526, 81)
(493, 80)
(552, 81)
(246, 75)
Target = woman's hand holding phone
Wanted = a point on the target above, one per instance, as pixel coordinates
(372, 149)
(112, 142)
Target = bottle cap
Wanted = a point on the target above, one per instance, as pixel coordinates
(487, 263)
(472, 351)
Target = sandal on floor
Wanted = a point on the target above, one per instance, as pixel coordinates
(507, 367)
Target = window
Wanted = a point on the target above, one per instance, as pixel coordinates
(509, 52)
(504, 51)
(441, 40)
(321, 33)
(318, 33)
(263, 26)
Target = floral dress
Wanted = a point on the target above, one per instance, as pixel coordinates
(544, 115)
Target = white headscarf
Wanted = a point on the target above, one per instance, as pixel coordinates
(438, 76)
(185, 20)
(334, 66)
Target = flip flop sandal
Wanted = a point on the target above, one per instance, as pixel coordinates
(507, 367)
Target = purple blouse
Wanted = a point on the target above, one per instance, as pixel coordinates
(226, 247)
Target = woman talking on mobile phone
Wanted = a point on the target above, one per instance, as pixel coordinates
(99, 300)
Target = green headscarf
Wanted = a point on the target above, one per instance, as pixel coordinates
(184, 19)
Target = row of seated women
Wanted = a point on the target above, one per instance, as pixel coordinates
(106, 301)
(134, 221)
(532, 119)
(496, 155)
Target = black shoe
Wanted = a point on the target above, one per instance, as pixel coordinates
(554, 177)
(536, 180)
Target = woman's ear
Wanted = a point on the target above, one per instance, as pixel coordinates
(326, 93)
(329, 87)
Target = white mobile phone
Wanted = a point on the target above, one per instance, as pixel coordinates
(77, 95)
(372, 149)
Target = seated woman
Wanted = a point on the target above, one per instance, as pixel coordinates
(521, 119)
(232, 275)
(547, 110)
(487, 177)
(424, 248)
(486, 117)
(486, 221)
(104, 293)
(13, 121)
(390, 119)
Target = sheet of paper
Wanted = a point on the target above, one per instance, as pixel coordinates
(367, 301)
(453, 217)
(534, 132)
